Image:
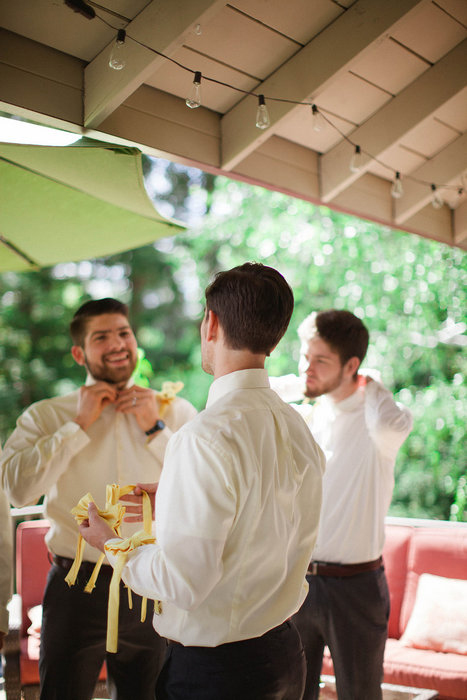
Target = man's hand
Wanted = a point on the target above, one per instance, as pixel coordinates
(95, 530)
(142, 403)
(92, 400)
(137, 498)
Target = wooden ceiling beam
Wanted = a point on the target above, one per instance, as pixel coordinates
(460, 225)
(323, 59)
(161, 25)
(40, 79)
(393, 121)
(445, 168)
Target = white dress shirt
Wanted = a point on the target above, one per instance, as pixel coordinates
(360, 437)
(237, 513)
(48, 453)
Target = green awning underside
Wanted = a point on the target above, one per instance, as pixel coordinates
(69, 203)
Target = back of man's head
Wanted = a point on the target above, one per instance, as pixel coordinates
(254, 305)
(94, 307)
(342, 330)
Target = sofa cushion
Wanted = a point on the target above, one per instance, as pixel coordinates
(438, 551)
(395, 563)
(421, 668)
(439, 616)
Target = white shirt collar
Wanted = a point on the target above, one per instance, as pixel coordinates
(344, 406)
(90, 381)
(242, 379)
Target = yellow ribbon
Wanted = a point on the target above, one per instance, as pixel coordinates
(113, 495)
(113, 515)
(121, 549)
(167, 394)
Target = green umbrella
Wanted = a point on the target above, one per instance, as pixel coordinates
(68, 203)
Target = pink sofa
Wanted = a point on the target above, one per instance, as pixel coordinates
(427, 639)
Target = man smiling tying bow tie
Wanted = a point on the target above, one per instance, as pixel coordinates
(108, 431)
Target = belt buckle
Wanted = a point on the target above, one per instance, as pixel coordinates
(314, 568)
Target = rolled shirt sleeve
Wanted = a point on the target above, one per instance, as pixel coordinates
(389, 423)
(34, 459)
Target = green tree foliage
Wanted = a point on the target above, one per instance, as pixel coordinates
(410, 292)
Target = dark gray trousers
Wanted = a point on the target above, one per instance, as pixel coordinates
(350, 616)
(270, 667)
(73, 642)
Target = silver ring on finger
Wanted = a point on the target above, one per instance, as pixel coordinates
(133, 403)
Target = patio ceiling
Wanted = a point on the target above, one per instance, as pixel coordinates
(390, 77)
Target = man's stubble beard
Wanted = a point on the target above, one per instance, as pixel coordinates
(325, 388)
(111, 376)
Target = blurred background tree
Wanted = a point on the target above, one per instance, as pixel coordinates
(409, 291)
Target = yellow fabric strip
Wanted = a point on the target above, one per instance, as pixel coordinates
(121, 550)
(113, 515)
(70, 578)
(91, 584)
(144, 606)
(167, 394)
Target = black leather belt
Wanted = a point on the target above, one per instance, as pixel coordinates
(86, 568)
(323, 568)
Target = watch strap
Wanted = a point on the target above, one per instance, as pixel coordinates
(158, 425)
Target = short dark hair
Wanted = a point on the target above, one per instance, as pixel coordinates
(94, 307)
(254, 305)
(344, 332)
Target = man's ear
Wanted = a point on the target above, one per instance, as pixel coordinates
(212, 325)
(77, 353)
(352, 365)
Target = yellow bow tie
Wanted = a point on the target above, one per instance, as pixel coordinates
(167, 395)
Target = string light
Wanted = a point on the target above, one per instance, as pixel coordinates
(397, 190)
(356, 160)
(436, 199)
(262, 114)
(117, 59)
(194, 98)
(317, 121)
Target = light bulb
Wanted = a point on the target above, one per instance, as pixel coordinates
(436, 199)
(397, 190)
(117, 59)
(262, 114)
(194, 98)
(317, 121)
(356, 160)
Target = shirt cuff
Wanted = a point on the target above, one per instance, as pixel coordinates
(112, 558)
(75, 437)
(157, 445)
